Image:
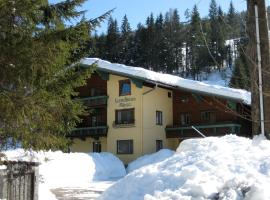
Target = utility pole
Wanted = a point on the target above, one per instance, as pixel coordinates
(259, 61)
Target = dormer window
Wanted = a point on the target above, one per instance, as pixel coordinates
(124, 88)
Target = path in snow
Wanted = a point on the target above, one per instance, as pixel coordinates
(90, 192)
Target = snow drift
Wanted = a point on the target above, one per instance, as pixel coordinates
(227, 168)
(149, 159)
(60, 169)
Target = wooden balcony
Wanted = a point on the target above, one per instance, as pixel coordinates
(94, 101)
(217, 129)
(94, 132)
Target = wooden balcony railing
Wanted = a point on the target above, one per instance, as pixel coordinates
(217, 129)
(94, 101)
(97, 131)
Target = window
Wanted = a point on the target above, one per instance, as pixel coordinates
(159, 118)
(124, 146)
(159, 145)
(185, 119)
(208, 116)
(124, 87)
(125, 116)
(169, 94)
(97, 147)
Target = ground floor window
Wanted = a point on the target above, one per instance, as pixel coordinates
(159, 145)
(124, 146)
(97, 147)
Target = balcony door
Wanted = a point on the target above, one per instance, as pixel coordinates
(96, 120)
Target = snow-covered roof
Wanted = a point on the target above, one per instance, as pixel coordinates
(171, 80)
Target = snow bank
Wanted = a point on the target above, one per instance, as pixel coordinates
(149, 159)
(108, 166)
(58, 169)
(171, 80)
(226, 168)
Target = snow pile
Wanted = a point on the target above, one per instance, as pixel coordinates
(226, 168)
(58, 169)
(171, 80)
(149, 159)
(107, 166)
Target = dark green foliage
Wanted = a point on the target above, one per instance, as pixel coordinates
(241, 74)
(160, 44)
(233, 22)
(196, 47)
(125, 43)
(216, 36)
(37, 82)
(112, 41)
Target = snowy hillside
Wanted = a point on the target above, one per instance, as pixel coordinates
(226, 168)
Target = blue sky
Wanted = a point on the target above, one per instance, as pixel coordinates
(138, 10)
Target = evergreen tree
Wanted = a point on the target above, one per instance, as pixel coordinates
(233, 22)
(195, 45)
(112, 41)
(159, 50)
(37, 82)
(241, 74)
(99, 46)
(125, 42)
(149, 43)
(138, 50)
(220, 39)
(173, 42)
(213, 20)
(125, 27)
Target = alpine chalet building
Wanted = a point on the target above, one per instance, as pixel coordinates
(134, 111)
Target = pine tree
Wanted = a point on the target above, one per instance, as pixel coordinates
(99, 46)
(213, 19)
(138, 48)
(233, 23)
(125, 42)
(149, 44)
(195, 45)
(173, 41)
(159, 50)
(220, 39)
(37, 83)
(112, 41)
(241, 74)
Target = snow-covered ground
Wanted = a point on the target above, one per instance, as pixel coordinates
(67, 170)
(226, 168)
(149, 159)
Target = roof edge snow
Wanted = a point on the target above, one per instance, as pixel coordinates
(169, 80)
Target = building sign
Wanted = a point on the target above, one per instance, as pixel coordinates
(125, 101)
